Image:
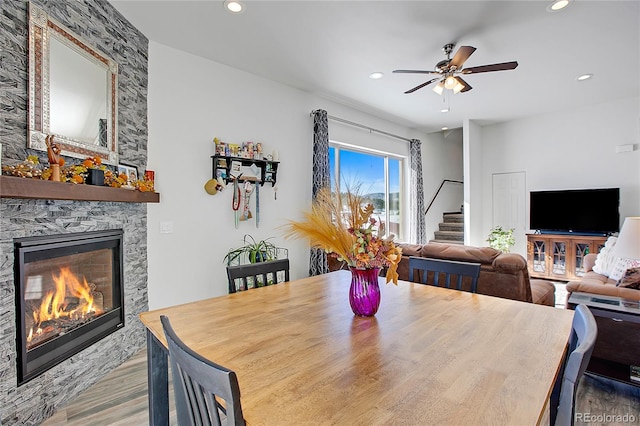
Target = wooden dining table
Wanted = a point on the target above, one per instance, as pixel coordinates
(429, 356)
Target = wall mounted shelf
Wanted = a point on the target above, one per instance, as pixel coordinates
(16, 187)
(222, 169)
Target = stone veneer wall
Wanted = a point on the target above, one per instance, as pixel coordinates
(98, 23)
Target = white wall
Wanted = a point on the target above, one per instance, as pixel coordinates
(568, 150)
(474, 193)
(190, 101)
(437, 147)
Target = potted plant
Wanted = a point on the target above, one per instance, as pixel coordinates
(254, 251)
(501, 239)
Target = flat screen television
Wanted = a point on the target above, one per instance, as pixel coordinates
(579, 211)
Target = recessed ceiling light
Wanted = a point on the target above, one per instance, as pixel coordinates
(234, 6)
(444, 110)
(558, 5)
(376, 75)
(445, 128)
(584, 77)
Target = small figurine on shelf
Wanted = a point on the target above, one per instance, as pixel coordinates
(258, 155)
(250, 151)
(55, 161)
(221, 147)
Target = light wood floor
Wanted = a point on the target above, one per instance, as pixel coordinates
(120, 398)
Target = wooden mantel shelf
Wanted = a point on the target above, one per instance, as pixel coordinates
(15, 187)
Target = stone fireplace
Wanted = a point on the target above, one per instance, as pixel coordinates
(68, 296)
(23, 217)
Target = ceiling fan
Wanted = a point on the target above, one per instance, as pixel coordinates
(449, 70)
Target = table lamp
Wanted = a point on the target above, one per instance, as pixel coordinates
(628, 244)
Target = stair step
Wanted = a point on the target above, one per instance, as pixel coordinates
(449, 235)
(447, 242)
(451, 226)
(453, 217)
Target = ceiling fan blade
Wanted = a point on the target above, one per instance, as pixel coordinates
(493, 67)
(416, 71)
(461, 56)
(426, 83)
(466, 85)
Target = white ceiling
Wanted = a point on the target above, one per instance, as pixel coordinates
(330, 47)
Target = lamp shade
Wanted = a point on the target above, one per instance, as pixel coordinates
(628, 244)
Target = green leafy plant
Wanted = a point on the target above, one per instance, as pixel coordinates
(252, 251)
(501, 239)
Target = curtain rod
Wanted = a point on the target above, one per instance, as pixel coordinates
(362, 126)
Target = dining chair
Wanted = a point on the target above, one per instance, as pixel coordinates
(200, 384)
(257, 274)
(448, 268)
(584, 332)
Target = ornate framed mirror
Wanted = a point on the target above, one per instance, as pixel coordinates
(72, 92)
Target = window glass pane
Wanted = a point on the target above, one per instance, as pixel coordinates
(394, 197)
(332, 167)
(367, 170)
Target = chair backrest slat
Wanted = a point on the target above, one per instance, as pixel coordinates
(259, 274)
(198, 382)
(448, 268)
(584, 332)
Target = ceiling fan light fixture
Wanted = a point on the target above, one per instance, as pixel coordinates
(439, 88)
(558, 5)
(234, 6)
(450, 82)
(443, 110)
(458, 87)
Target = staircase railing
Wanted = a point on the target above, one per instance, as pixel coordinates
(438, 191)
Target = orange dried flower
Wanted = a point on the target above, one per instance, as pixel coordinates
(77, 179)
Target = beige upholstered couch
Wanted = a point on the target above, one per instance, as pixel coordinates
(501, 274)
(595, 283)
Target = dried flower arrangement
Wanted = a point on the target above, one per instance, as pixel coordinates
(343, 225)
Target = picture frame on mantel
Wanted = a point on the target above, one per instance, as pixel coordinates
(130, 171)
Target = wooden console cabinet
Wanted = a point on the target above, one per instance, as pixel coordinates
(558, 256)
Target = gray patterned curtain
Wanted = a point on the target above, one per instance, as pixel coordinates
(318, 258)
(417, 226)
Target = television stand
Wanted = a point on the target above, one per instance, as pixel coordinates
(560, 256)
(577, 234)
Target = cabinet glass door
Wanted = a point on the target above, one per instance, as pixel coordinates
(581, 249)
(559, 262)
(539, 256)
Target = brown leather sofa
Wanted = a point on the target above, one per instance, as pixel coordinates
(501, 274)
(595, 283)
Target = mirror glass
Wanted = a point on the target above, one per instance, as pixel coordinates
(72, 92)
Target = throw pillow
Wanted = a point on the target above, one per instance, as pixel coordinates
(606, 259)
(631, 279)
(621, 266)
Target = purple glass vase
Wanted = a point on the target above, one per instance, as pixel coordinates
(364, 293)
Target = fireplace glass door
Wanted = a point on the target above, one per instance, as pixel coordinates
(69, 296)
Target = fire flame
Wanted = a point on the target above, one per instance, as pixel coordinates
(54, 304)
